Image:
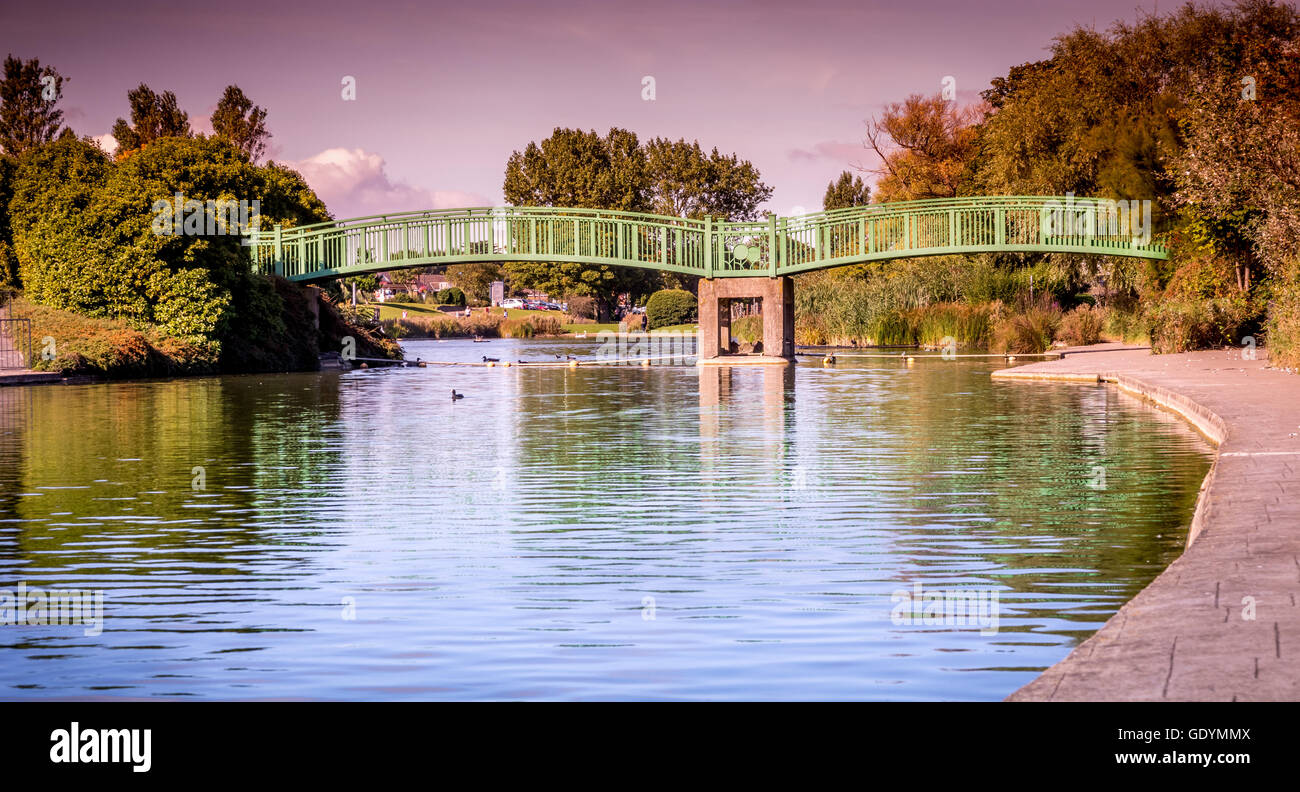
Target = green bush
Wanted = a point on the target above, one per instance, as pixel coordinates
(671, 307)
(91, 236)
(451, 296)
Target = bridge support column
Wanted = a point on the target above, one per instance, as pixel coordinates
(777, 295)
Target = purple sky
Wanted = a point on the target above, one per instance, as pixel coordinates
(446, 91)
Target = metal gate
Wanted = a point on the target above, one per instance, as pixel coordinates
(15, 340)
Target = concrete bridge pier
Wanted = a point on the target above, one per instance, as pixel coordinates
(777, 307)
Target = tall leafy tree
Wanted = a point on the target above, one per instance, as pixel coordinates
(845, 192)
(585, 170)
(475, 278)
(241, 122)
(572, 168)
(28, 95)
(685, 182)
(153, 116)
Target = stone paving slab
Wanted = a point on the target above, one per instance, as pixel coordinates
(1188, 635)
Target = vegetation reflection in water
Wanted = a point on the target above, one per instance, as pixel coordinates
(578, 533)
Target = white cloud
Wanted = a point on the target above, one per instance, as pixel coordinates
(106, 142)
(355, 182)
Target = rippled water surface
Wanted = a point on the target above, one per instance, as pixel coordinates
(595, 533)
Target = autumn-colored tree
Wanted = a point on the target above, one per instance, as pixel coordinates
(926, 147)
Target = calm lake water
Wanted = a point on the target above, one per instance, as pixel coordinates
(598, 533)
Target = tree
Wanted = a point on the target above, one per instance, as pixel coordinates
(579, 169)
(572, 168)
(241, 122)
(9, 279)
(153, 116)
(926, 148)
(86, 239)
(475, 278)
(845, 192)
(685, 182)
(584, 170)
(28, 94)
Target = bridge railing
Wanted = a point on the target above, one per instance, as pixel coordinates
(772, 246)
(502, 233)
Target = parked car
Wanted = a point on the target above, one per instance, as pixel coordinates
(513, 302)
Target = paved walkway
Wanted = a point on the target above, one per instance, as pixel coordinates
(1186, 635)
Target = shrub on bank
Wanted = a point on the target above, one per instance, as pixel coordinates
(1124, 322)
(1082, 326)
(668, 307)
(83, 345)
(1030, 331)
(97, 236)
(451, 296)
(1182, 325)
(582, 308)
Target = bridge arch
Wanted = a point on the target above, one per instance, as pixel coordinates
(759, 255)
(773, 247)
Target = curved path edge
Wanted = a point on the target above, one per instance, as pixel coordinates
(1221, 623)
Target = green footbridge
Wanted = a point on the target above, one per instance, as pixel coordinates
(773, 247)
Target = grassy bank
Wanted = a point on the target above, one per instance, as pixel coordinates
(77, 345)
(424, 321)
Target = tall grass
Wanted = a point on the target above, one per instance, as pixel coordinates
(485, 325)
(747, 329)
(1282, 330)
(1027, 331)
